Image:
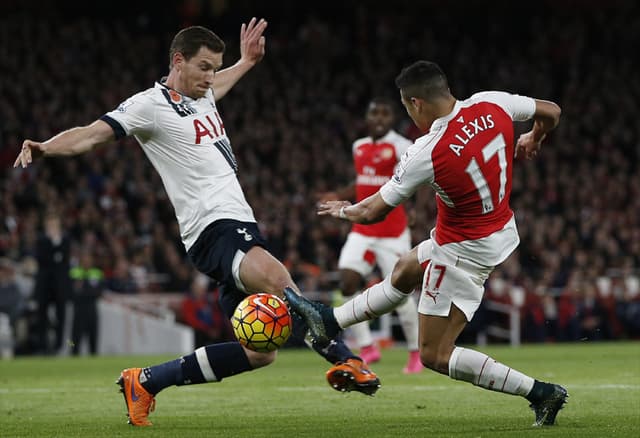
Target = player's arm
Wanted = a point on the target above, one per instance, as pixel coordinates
(252, 44)
(545, 119)
(70, 142)
(368, 211)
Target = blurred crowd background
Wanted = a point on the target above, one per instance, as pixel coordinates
(292, 120)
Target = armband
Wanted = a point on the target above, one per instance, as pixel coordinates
(342, 214)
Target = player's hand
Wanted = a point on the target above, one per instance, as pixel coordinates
(327, 196)
(252, 41)
(527, 146)
(30, 150)
(332, 208)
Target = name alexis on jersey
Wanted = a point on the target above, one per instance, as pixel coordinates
(469, 130)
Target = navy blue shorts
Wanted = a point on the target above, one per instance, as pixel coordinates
(213, 254)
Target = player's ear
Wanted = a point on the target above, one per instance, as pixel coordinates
(178, 60)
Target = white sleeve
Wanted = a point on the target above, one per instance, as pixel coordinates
(520, 108)
(134, 116)
(415, 169)
(401, 145)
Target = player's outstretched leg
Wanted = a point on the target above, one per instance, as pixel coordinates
(319, 317)
(546, 409)
(468, 365)
(349, 372)
(211, 363)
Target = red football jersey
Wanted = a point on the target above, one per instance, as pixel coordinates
(472, 165)
(375, 164)
(467, 157)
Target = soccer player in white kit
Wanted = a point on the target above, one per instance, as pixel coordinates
(375, 158)
(178, 126)
(466, 156)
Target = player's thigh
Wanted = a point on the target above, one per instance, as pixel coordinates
(357, 254)
(233, 253)
(259, 271)
(409, 269)
(389, 249)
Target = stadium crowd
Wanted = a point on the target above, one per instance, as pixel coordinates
(291, 122)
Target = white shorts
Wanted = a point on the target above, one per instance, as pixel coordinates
(450, 279)
(362, 253)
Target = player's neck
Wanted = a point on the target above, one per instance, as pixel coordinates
(440, 108)
(173, 83)
(444, 107)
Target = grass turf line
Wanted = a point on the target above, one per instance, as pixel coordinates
(76, 397)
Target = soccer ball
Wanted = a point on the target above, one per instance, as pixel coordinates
(262, 322)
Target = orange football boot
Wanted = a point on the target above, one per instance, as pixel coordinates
(353, 375)
(139, 402)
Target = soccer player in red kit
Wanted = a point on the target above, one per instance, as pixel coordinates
(375, 158)
(466, 157)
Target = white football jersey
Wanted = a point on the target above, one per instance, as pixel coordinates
(186, 142)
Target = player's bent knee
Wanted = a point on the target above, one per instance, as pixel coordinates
(407, 273)
(259, 360)
(275, 282)
(428, 358)
(262, 272)
(275, 278)
(435, 359)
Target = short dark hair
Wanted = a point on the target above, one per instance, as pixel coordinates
(423, 79)
(189, 40)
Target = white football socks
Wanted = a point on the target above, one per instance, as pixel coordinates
(408, 316)
(377, 300)
(362, 334)
(481, 370)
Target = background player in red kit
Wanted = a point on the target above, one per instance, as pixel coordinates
(375, 158)
(466, 156)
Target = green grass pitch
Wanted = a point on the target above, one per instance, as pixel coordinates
(73, 397)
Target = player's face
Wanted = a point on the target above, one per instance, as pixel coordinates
(196, 74)
(379, 119)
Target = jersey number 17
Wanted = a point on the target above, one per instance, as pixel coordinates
(495, 146)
